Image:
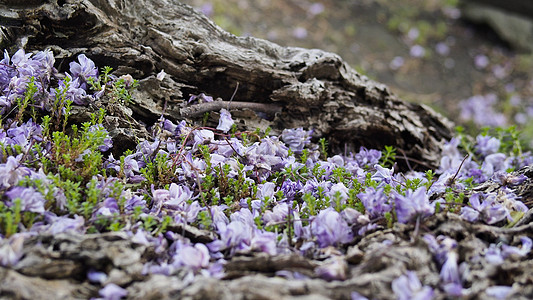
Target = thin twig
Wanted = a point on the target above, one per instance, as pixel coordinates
(198, 109)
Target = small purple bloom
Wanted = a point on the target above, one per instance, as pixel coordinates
(108, 207)
(383, 175)
(291, 189)
(527, 244)
(31, 200)
(296, 138)
(112, 292)
(367, 157)
(200, 98)
(498, 291)
(84, 70)
(12, 171)
(11, 250)
(413, 204)
(486, 145)
(489, 210)
(408, 287)
(375, 202)
(194, 257)
(278, 214)
(330, 228)
(449, 275)
(64, 223)
(96, 276)
(225, 122)
(505, 178)
(333, 269)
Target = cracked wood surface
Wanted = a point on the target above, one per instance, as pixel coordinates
(313, 89)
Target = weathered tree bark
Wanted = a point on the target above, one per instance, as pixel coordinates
(305, 88)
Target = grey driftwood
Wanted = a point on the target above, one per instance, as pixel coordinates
(292, 87)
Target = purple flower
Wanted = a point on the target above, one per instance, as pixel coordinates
(367, 157)
(330, 228)
(30, 199)
(338, 193)
(64, 223)
(440, 246)
(107, 208)
(450, 277)
(486, 145)
(480, 109)
(264, 242)
(96, 276)
(236, 236)
(12, 171)
(11, 249)
(291, 189)
(505, 178)
(495, 162)
(84, 70)
(296, 138)
(201, 98)
(498, 291)
(527, 244)
(266, 191)
(225, 122)
(408, 287)
(194, 257)
(489, 210)
(375, 202)
(413, 204)
(278, 214)
(333, 269)
(383, 175)
(112, 292)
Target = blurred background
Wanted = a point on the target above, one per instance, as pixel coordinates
(469, 60)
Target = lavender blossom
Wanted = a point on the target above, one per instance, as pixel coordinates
(505, 178)
(96, 276)
(225, 122)
(200, 98)
(334, 268)
(527, 244)
(375, 202)
(412, 205)
(278, 214)
(408, 287)
(194, 257)
(330, 228)
(291, 189)
(83, 70)
(107, 208)
(12, 171)
(30, 199)
(296, 138)
(11, 250)
(450, 277)
(489, 210)
(64, 223)
(367, 157)
(383, 176)
(499, 291)
(486, 145)
(480, 109)
(112, 292)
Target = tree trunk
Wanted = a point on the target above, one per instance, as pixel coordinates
(292, 87)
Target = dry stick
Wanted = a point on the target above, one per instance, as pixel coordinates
(198, 109)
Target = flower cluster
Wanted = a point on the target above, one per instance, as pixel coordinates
(256, 192)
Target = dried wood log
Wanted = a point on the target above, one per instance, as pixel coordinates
(304, 88)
